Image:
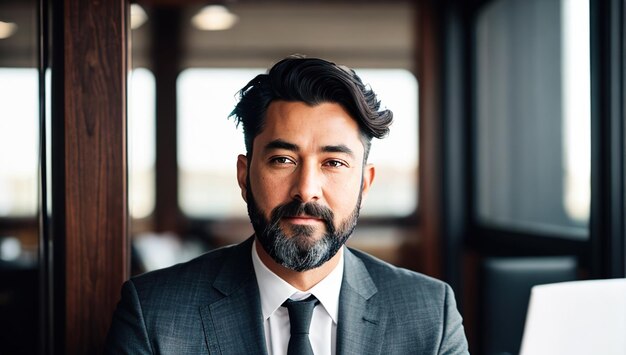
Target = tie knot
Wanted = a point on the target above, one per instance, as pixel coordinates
(300, 314)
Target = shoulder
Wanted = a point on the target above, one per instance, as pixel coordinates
(419, 311)
(193, 278)
(159, 311)
(391, 280)
(387, 273)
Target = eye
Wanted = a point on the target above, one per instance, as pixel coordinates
(335, 163)
(282, 161)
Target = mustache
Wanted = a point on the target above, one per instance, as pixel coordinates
(297, 208)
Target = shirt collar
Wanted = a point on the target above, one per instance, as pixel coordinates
(274, 291)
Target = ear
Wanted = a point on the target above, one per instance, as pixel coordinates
(242, 174)
(369, 172)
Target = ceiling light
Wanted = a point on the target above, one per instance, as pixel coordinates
(7, 29)
(214, 18)
(137, 16)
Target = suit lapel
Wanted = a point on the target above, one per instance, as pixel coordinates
(360, 326)
(233, 324)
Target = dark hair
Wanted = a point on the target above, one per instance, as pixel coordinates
(313, 81)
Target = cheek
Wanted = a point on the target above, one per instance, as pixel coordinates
(343, 195)
(267, 191)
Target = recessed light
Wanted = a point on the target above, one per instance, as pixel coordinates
(7, 29)
(214, 18)
(137, 16)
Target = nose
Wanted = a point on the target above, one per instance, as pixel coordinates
(307, 185)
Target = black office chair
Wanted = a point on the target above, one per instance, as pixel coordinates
(506, 286)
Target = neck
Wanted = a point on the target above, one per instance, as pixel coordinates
(302, 280)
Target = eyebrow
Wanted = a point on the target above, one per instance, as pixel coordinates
(340, 148)
(282, 144)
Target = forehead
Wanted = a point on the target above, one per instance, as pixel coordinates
(310, 126)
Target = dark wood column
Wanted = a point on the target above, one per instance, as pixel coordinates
(166, 44)
(91, 246)
(429, 61)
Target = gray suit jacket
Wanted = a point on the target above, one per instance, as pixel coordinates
(212, 305)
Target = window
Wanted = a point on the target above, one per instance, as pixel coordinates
(533, 115)
(19, 142)
(141, 131)
(394, 192)
(208, 143)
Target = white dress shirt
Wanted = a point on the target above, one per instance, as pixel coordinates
(274, 291)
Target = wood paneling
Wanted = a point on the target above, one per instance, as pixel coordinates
(94, 101)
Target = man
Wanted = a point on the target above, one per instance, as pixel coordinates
(308, 126)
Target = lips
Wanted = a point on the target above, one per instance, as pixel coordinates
(303, 219)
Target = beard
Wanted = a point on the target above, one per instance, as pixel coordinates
(301, 251)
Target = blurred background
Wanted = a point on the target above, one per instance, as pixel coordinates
(504, 168)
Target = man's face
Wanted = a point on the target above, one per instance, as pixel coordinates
(304, 182)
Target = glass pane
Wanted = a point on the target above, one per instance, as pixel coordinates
(19, 141)
(141, 130)
(208, 143)
(19, 177)
(533, 115)
(394, 192)
(207, 167)
(19, 132)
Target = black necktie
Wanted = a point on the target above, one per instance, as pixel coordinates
(300, 314)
